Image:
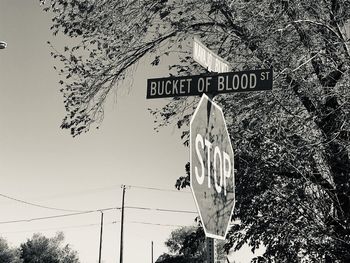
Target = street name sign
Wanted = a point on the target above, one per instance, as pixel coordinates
(228, 82)
(212, 168)
(207, 58)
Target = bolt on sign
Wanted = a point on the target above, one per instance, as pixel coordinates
(212, 168)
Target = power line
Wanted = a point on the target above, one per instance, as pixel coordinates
(43, 218)
(94, 211)
(88, 191)
(157, 189)
(90, 225)
(81, 192)
(161, 209)
(56, 228)
(56, 216)
(153, 224)
(37, 205)
(80, 211)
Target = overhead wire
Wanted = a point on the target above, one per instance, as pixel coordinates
(94, 211)
(90, 225)
(161, 209)
(153, 224)
(38, 205)
(94, 190)
(80, 212)
(157, 189)
(56, 216)
(56, 228)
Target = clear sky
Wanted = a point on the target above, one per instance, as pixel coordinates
(43, 164)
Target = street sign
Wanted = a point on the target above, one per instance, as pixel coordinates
(208, 59)
(242, 81)
(212, 168)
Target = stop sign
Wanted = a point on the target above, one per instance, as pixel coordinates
(212, 168)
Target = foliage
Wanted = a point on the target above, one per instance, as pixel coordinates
(166, 258)
(187, 244)
(7, 254)
(40, 249)
(291, 145)
(187, 241)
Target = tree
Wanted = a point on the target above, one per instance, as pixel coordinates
(291, 145)
(7, 254)
(40, 249)
(187, 244)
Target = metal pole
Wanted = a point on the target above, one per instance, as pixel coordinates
(100, 250)
(210, 250)
(152, 252)
(122, 227)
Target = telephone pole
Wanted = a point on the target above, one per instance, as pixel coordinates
(152, 252)
(122, 227)
(100, 250)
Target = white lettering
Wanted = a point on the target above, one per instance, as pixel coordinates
(208, 144)
(167, 91)
(207, 83)
(200, 84)
(252, 80)
(189, 85)
(160, 87)
(200, 178)
(153, 88)
(218, 162)
(227, 169)
(263, 76)
(221, 84)
(175, 90)
(182, 86)
(244, 81)
(235, 82)
(217, 153)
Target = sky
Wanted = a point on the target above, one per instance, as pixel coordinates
(43, 164)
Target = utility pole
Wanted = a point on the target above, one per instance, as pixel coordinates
(152, 252)
(100, 250)
(122, 227)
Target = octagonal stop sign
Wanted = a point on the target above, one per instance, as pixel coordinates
(212, 168)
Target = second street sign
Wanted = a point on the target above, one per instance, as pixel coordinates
(242, 81)
(207, 58)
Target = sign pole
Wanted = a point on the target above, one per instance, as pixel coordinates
(211, 255)
(210, 241)
(216, 64)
